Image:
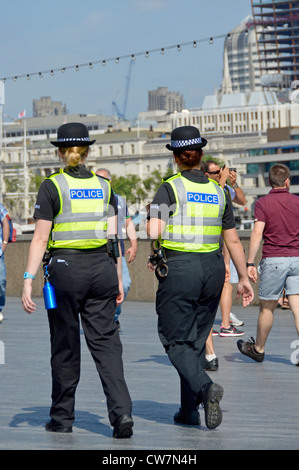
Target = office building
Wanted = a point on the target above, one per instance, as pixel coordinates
(42, 128)
(240, 60)
(282, 146)
(239, 113)
(46, 107)
(278, 41)
(162, 99)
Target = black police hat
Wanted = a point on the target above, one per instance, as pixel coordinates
(186, 138)
(72, 134)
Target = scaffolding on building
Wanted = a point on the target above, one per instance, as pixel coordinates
(276, 25)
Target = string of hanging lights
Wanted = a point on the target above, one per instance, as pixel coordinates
(104, 62)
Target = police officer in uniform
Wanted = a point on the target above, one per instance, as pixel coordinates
(188, 214)
(76, 213)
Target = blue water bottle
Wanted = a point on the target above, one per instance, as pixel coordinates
(49, 293)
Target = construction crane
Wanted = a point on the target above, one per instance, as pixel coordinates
(122, 115)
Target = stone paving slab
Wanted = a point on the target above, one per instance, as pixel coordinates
(260, 404)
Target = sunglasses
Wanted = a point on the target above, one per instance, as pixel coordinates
(214, 172)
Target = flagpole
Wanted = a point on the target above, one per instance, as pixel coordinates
(26, 202)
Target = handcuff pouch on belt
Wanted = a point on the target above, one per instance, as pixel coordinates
(113, 247)
(157, 259)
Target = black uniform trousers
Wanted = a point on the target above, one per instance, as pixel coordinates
(86, 286)
(186, 304)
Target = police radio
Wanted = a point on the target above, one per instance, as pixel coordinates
(113, 247)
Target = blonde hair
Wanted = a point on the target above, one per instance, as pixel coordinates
(74, 155)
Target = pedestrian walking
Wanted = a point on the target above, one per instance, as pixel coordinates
(4, 236)
(236, 194)
(76, 221)
(277, 224)
(187, 215)
(126, 223)
(229, 321)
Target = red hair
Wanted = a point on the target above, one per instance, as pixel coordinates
(189, 158)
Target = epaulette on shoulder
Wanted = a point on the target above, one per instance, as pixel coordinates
(164, 180)
(53, 174)
(100, 176)
(215, 182)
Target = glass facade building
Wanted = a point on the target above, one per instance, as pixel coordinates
(277, 23)
(240, 60)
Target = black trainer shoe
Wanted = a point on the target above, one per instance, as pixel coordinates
(212, 365)
(187, 417)
(123, 427)
(231, 331)
(211, 395)
(247, 348)
(51, 427)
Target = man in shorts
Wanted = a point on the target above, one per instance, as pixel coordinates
(277, 223)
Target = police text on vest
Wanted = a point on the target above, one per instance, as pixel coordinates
(203, 198)
(86, 193)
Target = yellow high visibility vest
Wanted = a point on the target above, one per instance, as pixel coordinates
(82, 219)
(196, 223)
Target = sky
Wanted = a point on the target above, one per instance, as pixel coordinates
(43, 35)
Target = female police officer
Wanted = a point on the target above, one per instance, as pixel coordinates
(76, 212)
(188, 214)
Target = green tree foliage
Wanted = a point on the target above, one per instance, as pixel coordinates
(135, 189)
(131, 187)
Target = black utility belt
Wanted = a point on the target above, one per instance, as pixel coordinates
(172, 253)
(73, 251)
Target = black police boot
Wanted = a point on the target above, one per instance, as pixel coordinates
(210, 396)
(52, 427)
(187, 417)
(123, 427)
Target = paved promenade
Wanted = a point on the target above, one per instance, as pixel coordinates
(260, 404)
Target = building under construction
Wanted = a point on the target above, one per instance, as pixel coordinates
(277, 30)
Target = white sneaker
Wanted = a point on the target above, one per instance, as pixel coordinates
(1, 317)
(234, 320)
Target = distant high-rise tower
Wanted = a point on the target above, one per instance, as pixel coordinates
(162, 99)
(240, 60)
(278, 43)
(46, 107)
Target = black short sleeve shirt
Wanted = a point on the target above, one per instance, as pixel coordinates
(163, 204)
(48, 204)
